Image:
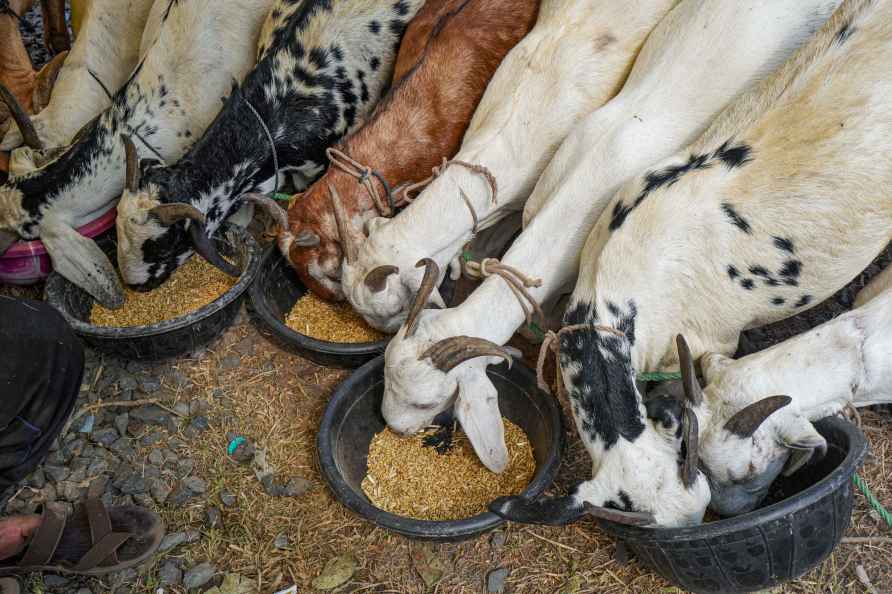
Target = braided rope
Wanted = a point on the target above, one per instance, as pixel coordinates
(872, 500)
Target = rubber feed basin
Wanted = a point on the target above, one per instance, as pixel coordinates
(170, 338)
(353, 417)
(801, 523)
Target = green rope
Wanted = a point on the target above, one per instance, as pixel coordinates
(466, 256)
(659, 376)
(281, 197)
(872, 500)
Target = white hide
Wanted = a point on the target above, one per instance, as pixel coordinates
(108, 44)
(841, 362)
(696, 60)
(574, 59)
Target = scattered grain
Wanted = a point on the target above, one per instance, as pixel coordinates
(409, 479)
(330, 321)
(194, 285)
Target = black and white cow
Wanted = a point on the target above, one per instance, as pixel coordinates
(172, 96)
(779, 204)
(323, 65)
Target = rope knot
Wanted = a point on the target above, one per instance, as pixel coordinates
(364, 175)
(552, 342)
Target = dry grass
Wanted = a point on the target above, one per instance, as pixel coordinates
(278, 399)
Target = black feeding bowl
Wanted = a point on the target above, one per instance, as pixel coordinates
(170, 338)
(273, 296)
(801, 523)
(353, 417)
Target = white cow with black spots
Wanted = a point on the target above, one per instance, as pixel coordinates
(777, 206)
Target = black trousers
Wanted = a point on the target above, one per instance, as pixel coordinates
(41, 368)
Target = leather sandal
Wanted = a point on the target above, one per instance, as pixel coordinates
(120, 538)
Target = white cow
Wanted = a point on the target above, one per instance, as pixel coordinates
(574, 60)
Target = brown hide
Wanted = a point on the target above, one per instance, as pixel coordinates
(419, 123)
(16, 71)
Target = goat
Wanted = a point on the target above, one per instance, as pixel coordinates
(573, 61)
(322, 68)
(605, 153)
(29, 88)
(108, 46)
(419, 123)
(162, 105)
(747, 437)
(772, 210)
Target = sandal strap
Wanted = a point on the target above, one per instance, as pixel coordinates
(103, 552)
(100, 526)
(45, 540)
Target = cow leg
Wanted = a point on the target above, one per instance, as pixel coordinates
(55, 30)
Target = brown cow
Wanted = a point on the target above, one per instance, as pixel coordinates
(30, 88)
(420, 122)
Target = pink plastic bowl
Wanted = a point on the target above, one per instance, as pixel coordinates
(27, 262)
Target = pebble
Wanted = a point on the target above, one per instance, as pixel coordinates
(160, 490)
(195, 484)
(281, 542)
(127, 382)
(170, 574)
(54, 581)
(180, 380)
(200, 423)
(198, 407)
(156, 458)
(213, 519)
(297, 487)
(97, 487)
(498, 539)
(72, 450)
(185, 466)
(151, 415)
(121, 422)
(151, 438)
(228, 499)
(123, 448)
(125, 577)
(37, 480)
(217, 393)
(495, 580)
(180, 496)
(172, 541)
(106, 436)
(199, 575)
(150, 385)
(87, 425)
(131, 485)
(84, 591)
(56, 473)
(182, 408)
(97, 466)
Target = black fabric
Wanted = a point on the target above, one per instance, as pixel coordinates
(41, 368)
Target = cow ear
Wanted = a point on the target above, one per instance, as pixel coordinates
(80, 260)
(799, 435)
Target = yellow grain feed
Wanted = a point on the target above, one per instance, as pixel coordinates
(329, 321)
(409, 479)
(194, 285)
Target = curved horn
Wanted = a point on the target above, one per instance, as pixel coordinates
(620, 517)
(204, 247)
(46, 80)
(692, 390)
(20, 117)
(306, 239)
(132, 176)
(175, 212)
(428, 284)
(745, 421)
(451, 352)
(376, 280)
(690, 437)
(351, 250)
(271, 207)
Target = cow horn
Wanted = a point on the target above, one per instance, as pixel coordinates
(26, 126)
(204, 247)
(132, 176)
(428, 284)
(351, 250)
(745, 421)
(175, 212)
(692, 390)
(690, 437)
(619, 517)
(451, 352)
(306, 239)
(271, 207)
(376, 280)
(7, 238)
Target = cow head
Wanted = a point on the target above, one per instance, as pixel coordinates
(425, 376)
(155, 237)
